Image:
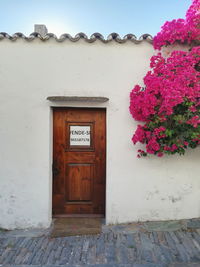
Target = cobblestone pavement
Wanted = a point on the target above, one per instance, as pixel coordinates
(151, 244)
(116, 246)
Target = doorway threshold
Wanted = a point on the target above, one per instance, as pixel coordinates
(76, 226)
(78, 216)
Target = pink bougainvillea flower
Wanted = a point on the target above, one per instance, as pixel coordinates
(194, 121)
(180, 30)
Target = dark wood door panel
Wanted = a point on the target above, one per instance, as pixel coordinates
(79, 157)
(79, 182)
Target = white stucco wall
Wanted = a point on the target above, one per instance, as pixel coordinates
(137, 189)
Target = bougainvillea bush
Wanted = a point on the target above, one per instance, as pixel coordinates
(181, 30)
(169, 104)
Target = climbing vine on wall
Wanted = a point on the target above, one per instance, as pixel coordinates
(169, 102)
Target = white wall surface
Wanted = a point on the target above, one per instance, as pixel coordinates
(137, 189)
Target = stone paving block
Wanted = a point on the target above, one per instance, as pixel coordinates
(91, 258)
(165, 226)
(33, 244)
(169, 240)
(184, 257)
(123, 255)
(174, 237)
(25, 259)
(37, 258)
(74, 246)
(47, 252)
(20, 256)
(130, 241)
(146, 248)
(161, 238)
(189, 243)
(147, 256)
(193, 224)
(102, 265)
(51, 257)
(196, 245)
(155, 237)
(64, 258)
(146, 241)
(159, 257)
(9, 257)
(25, 233)
(191, 248)
(169, 256)
(78, 249)
(58, 254)
(4, 255)
(131, 254)
(27, 242)
(100, 249)
(185, 265)
(196, 236)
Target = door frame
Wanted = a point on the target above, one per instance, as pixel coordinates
(78, 215)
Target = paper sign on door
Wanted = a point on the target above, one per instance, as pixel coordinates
(80, 135)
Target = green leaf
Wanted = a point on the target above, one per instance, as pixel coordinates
(169, 132)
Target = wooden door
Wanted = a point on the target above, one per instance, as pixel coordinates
(79, 161)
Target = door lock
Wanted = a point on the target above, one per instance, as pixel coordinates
(55, 170)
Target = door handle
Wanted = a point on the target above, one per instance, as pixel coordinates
(55, 170)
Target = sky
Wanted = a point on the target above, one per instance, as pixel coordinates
(89, 16)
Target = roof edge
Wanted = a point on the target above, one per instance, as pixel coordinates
(91, 39)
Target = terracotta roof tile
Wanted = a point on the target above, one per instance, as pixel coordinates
(95, 36)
